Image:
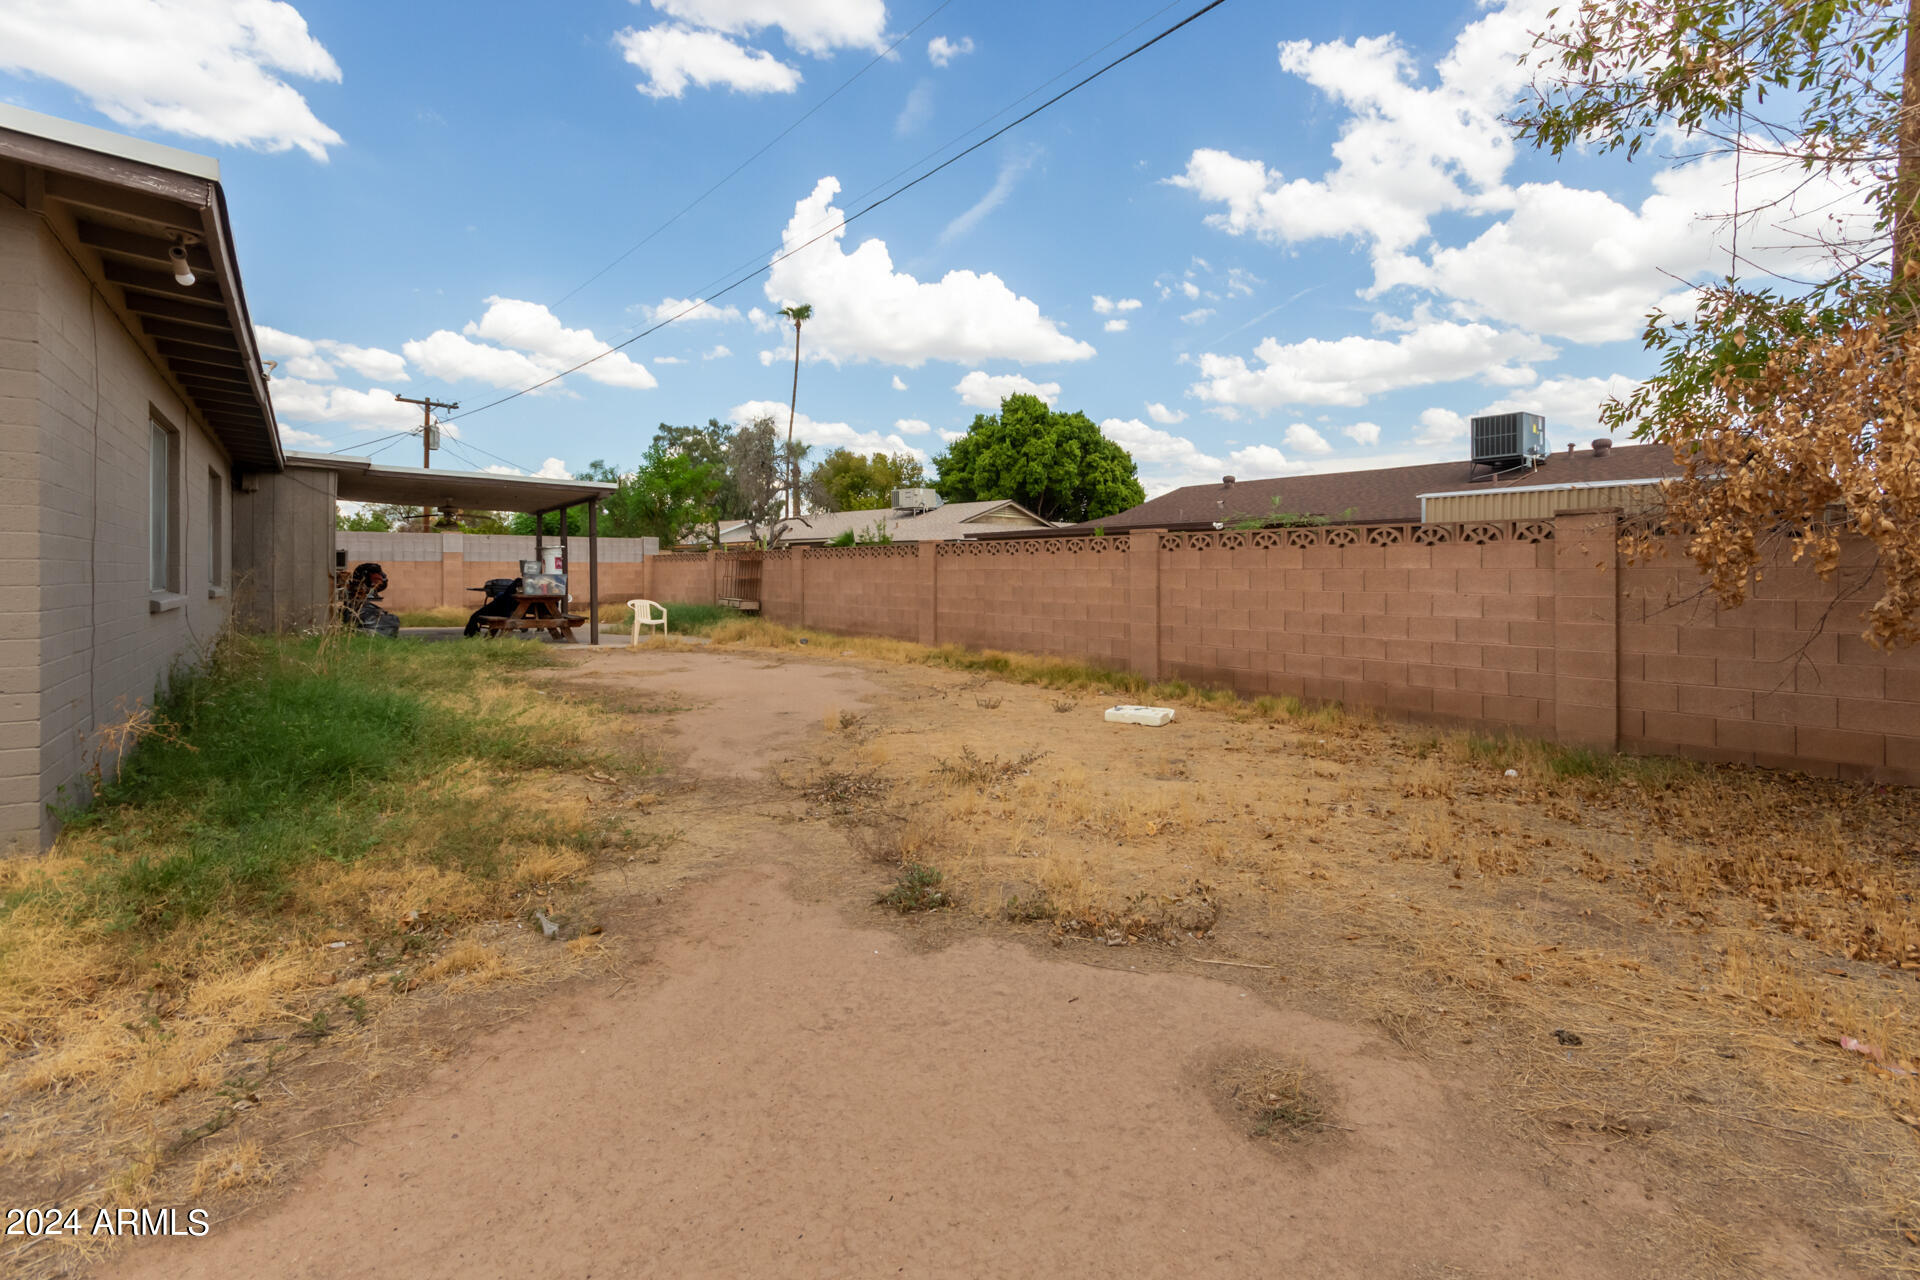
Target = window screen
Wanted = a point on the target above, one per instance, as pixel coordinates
(216, 529)
(160, 504)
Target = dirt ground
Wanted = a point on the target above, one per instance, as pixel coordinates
(775, 1076)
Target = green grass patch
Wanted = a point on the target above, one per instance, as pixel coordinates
(694, 619)
(285, 753)
(918, 889)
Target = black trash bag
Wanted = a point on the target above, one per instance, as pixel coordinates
(361, 607)
(500, 593)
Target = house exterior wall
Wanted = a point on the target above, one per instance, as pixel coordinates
(282, 548)
(85, 641)
(1535, 627)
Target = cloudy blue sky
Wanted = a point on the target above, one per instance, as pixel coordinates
(1288, 238)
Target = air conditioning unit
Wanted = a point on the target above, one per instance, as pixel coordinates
(915, 499)
(1508, 439)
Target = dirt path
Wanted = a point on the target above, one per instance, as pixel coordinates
(784, 1089)
(793, 1095)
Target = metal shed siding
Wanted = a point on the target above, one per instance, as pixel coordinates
(1534, 504)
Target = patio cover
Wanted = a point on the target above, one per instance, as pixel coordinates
(363, 480)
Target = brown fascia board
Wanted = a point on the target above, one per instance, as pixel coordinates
(83, 176)
(220, 238)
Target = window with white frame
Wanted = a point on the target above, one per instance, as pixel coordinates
(163, 515)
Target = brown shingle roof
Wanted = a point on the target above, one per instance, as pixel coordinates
(1391, 493)
(947, 522)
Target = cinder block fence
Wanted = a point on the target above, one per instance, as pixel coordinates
(1535, 627)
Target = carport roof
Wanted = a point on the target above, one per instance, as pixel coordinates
(363, 480)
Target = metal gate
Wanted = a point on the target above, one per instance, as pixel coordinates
(740, 580)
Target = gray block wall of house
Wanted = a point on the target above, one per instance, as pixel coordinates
(283, 531)
(85, 641)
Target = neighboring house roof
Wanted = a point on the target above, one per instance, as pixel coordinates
(1387, 494)
(944, 523)
(120, 204)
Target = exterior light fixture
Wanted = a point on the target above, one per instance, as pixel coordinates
(177, 254)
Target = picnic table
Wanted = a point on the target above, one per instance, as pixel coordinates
(536, 613)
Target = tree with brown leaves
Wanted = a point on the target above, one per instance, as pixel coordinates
(1795, 413)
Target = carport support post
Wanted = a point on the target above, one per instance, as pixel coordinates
(566, 517)
(593, 571)
(539, 533)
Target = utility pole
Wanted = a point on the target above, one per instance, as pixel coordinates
(427, 405)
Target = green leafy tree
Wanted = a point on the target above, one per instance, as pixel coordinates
(845, 481)
(1055, 464)
(1783, 401)
(364, 520)
(670, 494)
(521, 522)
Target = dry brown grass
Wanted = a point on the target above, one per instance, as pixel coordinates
(125, 1053)
(1708, 933)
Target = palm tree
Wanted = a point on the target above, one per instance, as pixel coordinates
(799, 313)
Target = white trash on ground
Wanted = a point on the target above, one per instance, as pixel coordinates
(1139, 715)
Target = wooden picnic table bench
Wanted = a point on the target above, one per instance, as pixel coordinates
(537, 613)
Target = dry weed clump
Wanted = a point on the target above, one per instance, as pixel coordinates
(1271, 1098)
(971, 769)
(843, 791)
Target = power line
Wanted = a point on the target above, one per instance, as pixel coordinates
(735, 171)
(376, 440)
(496, 457)
(861, 213)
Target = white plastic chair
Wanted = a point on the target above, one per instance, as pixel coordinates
(643, 616)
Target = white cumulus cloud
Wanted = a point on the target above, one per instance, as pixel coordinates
(368, 362)
(911, 426)
(827, 435)
(1164, 416)
(983, 390)
(674, 56)
(314, 360)
(899, 384)
(1105, 306)
(1407, 151)
(1166, 461)
(688, 310)
(815, 27)
(1366, 433)
(1304, 438)
(1115, 326)
(865, 310)
(1351, 370)
(719, 351)
(214, 69)
(1261, 461)
(941, 51)
(373, 410)
(294, 438)
(517, 343)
